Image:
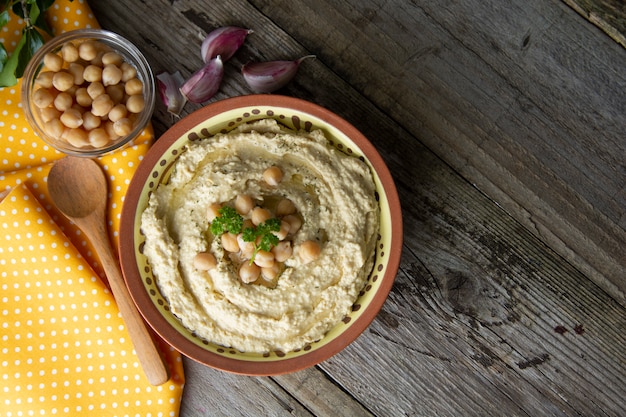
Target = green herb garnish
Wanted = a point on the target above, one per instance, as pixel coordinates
(264, 231)
(227, 221)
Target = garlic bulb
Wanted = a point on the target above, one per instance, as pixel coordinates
(205, 82)
(267, 77)
(224, 41)
(169, 90)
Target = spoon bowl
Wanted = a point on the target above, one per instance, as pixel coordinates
(78, 188)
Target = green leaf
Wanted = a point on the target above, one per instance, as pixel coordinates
(264, 230)
(227, 221)
(4, 18)
(19, 8)
(39, 20)
(44, 4)
(3, 56)
(7, 76)
(267, 241)
(33, 42)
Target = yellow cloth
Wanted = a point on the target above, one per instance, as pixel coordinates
(64, 349)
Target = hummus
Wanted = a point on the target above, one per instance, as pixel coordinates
(334, 194)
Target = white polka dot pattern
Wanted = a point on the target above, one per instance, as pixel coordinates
(64, 349)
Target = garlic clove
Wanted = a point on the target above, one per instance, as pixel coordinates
(267, 77)
(224, 41)
(169, 90)
(205, 82)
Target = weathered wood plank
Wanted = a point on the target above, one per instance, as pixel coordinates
(484, 318)
(215, 393)
(608, 15)
(321, 397)
(524, 100)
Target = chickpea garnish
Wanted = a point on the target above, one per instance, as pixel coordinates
(273, 175)
(309, 251)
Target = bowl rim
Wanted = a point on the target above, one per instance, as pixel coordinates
(128, 49)
(141, 297)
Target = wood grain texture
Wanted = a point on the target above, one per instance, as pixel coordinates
(608, 15)
(503, 128)
(520, 99)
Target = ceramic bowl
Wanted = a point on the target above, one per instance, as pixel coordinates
(223, 116)
(44, 120)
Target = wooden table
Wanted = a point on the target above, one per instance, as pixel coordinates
(504, 126)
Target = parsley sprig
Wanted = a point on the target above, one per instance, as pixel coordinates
(227, 221)
(264, 231)
(262, 235)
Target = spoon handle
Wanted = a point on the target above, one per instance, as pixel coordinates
(149, 355)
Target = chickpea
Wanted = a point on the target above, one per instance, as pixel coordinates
(112, 58)
(123, 126)
(284, 230)
(63, 101)
(42, 98)
(49, 113)
(91, 121)
(285, 207)
(88, 50)
(111, 75)
(77, 71)
(69, 52)
(264, 259)
(95, 89)
(98, 137)
(309, 251)
(243, 204)
(102, 105)
(135, 103)
(62, 80)
(133, 86)
(213, 211)
(76, 137)
(92, 73)
(204, 261)
(82, 97)
(53, 62)
(259, 214)
(54, 128)
(44, 79)
(246, 248)
(294, 223)
(128, 71)
(229, 242)
(273, 175)
(116, 92)
(117, 112)
(97, 60)
(72, 118)
(270, 273)
(72, 90)
(108, 127)
(249, 273)
(282, 251)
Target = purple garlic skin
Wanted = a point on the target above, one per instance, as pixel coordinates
(205, 82)
(224, 41)
(267, 77)
(169, 90)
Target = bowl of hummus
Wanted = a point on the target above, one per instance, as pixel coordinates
(261, 235)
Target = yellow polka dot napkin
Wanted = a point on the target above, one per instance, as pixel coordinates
(64, 349)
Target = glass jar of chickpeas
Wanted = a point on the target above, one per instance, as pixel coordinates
(88, 92)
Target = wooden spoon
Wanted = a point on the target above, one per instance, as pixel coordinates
(78, 188)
